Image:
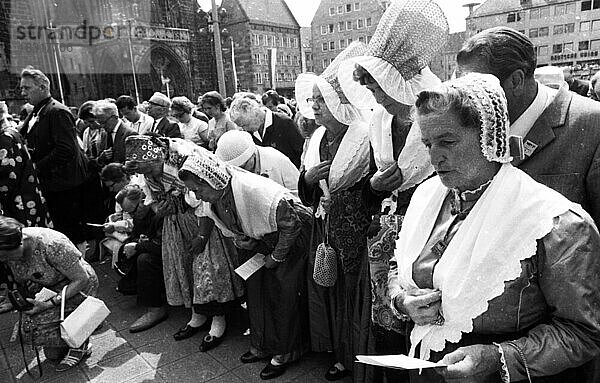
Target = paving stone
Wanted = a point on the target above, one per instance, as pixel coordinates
(121, 368)
(230, 377)
(229, 351)
(196, 368)
(106, 346)
(138, 339)
(121, 318)
(149, 377)
(72, 376)
(7, 376)
(166, 351)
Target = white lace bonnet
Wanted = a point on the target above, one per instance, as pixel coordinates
(329, 85)
(407, 37)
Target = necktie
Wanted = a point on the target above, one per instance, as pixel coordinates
(109, 140)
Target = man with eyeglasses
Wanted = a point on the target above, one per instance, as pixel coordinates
(107, 117)
(158, 108)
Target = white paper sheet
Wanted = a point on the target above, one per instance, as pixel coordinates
(251, 266)
(397, 361)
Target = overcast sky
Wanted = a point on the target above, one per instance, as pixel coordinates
(304, 11)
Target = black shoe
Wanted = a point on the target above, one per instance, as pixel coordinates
(209, 342)
(271, 371)
(335, 373)
(249, 357)
(188, 331)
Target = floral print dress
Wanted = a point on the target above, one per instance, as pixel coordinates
(20, 195)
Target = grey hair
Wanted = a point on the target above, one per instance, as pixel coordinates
(105, 108)
(502, 50)
(447, 99)
(243, 106)
(38, 77)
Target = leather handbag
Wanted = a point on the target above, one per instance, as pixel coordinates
(83, 321)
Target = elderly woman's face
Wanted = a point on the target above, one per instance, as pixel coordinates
(202, 190)
(455, 152)
(323, 115)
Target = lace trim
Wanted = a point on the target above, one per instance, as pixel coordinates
(504, 373)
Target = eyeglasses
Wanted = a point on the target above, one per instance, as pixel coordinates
(319, 100)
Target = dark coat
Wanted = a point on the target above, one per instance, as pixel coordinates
(284, 136)
(581, 87)
(168, 128)
(567, 156)
(52, 141)
(119, 143)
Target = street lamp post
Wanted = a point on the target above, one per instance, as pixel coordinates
(135, 85)
(214, 5)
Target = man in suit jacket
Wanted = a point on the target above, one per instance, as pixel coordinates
(581, 87)
(268, 128)
(158, 108)
(52, 140)
(107, 116)
(559, 128)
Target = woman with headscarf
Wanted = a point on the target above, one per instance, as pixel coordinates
(262, 217)
(198, 263)
(391, 73)
(498, 272)
(336, 165)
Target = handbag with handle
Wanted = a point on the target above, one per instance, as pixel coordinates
(83, 321)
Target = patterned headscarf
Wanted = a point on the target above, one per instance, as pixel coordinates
(143, 149)
(487, 96)
(209, 168)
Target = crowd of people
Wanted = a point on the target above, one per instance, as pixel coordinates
(454, 222)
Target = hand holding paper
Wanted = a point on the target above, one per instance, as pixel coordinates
(397, 361)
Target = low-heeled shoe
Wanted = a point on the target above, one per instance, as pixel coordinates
(210, 341)
(249, 357)
(335, 373)
(272, 371)
(188, 331)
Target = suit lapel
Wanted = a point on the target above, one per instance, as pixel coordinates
(542, 132)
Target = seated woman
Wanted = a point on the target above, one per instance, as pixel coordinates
(119, 224)
(262, 217)
(498, 272)
(41, 257)
(141, 259)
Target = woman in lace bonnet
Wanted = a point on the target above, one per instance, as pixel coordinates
(497, 272)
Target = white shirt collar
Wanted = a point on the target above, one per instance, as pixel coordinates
(268, 122)
(524, 123)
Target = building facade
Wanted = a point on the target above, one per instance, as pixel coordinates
(337, 23)
(94, 49)
(565, 33)
(266, 46)
(443, 64)
(307, 51)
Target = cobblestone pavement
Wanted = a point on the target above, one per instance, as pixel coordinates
(152, 355)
